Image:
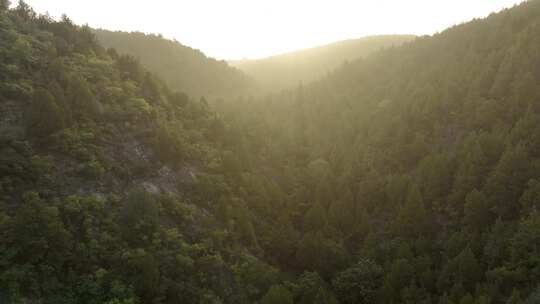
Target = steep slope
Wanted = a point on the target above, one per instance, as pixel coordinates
(107, 179)
(304, 66)
(409, 176)
(181, 67)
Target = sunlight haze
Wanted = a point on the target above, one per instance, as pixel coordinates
(238, 29)
(270, 151)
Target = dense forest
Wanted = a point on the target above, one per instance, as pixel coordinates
(100, 169)
(410, 175)
(181, 67)
(308, 65)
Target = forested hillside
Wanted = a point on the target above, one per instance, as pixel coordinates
(104, 176)
(304, 66)
(181, 67)
(411, 175)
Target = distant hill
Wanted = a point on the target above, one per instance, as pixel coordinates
(181, 67)
(310, 64)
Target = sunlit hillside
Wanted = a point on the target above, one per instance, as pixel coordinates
(301, 67)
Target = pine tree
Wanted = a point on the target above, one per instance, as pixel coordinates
(507, 182)
(477, 214)
(277, 294)
(468, 269)
(530, 200)
(315, 218)
(412, 218)
(283, 240)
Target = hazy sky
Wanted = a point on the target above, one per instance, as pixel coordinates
(234, 29)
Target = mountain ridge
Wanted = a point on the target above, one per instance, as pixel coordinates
(183, 68)
(306, 65)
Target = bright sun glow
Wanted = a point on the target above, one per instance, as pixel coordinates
(236, 29)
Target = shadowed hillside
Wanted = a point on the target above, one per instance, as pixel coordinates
(181, 67)
(106, 179)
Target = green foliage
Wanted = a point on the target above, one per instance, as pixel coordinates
(315, 218)
(507, 182)
(467, 299)
(139, 217)
(401, 272)
(81, 99)
(45, 116)
(181, 67)
(477, 214)
(412, 217)
(71, 228)
(524, 247)
(359, 283)
(463, 269)
(283, 240)
(515, 298)
(277, 295)
(533, 298)
(256, 279)
(435, 177)
(322, 254)
(138, 108)
(424, 158)
(531, 197)
(311, 289)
